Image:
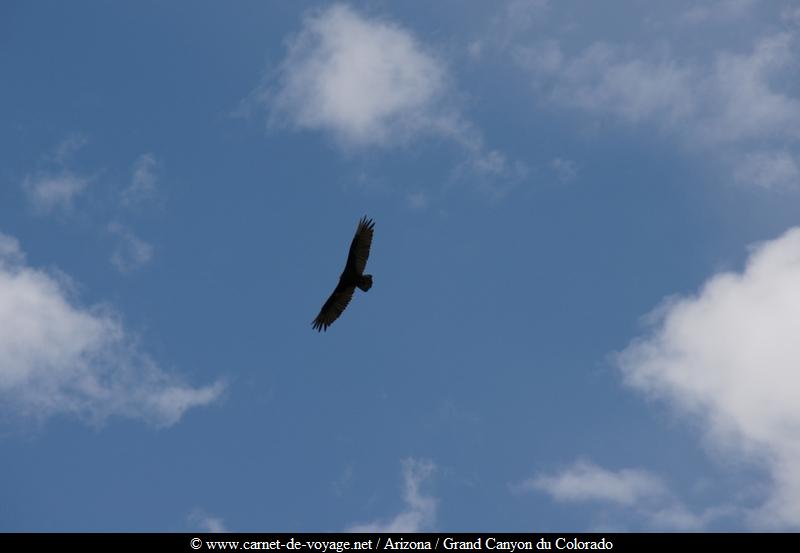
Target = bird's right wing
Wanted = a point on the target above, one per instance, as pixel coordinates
(334, 307)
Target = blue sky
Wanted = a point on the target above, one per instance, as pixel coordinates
(586, 263)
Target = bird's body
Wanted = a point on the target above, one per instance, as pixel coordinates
(351, 278)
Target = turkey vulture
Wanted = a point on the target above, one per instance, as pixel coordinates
(352, 276)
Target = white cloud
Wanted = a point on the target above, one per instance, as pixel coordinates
(65, 359)
(420, 512)
(50, 191)
(369, 82)
(768, 169)
(585, 481)
(131, 253)
(728, 356)
(365, 80)
(144, 180)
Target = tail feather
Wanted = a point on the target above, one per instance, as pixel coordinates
(365, 283)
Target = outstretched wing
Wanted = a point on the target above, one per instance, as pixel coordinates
(334, 307)
(359, 248)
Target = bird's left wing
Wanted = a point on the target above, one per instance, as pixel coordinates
(333, 307)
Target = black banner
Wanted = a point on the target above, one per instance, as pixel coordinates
(442, 542)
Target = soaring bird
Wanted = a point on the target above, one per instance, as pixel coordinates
(352, 276)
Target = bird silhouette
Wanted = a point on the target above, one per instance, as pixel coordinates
(353, 276)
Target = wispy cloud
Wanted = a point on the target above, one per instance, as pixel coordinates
(206, 522)
(144, 181)
(418, 200)
(730, 102)
(717, 11)
(49, 192)
(565, 169)
(769, 169)
(131, 253)
(511, 22)
(67, 148)
(10, 252)
(344, 481)
(727, 356)
(641, 496)
(57, 186)
(791, 14)
(586, 481)
(62, 358)
(420, 512)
